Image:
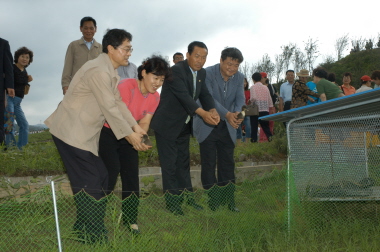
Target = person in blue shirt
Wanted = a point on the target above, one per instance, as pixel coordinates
(313, 87)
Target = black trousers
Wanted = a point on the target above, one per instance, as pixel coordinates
(85, 170)
(255, 124)
(88, 177)
(175, 161)
(2, 110)
(120, 157)
(217, 150)
(287, 107)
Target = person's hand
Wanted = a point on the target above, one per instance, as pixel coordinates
(310, 99)
(64, 90)
(135, 139)
(208, 117)
(233, 120)
(30, 78)
(11, 92)
(137, 128)
(215, 114)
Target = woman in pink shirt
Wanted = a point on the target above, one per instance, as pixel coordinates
(141, 97)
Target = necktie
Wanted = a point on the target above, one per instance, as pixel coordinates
(195, 87)
(225, 89)
(194, 83)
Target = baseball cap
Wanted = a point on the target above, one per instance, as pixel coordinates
(365, 78)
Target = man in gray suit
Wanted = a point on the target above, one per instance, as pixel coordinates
(6, 80)
(217, 143)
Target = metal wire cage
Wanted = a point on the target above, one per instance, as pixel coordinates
(333, 159)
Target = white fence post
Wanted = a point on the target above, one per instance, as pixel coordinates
(56, 216)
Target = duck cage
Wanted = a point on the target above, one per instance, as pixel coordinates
(333, 156)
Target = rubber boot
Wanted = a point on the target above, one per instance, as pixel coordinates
(214, 194)
(90, 218)
(173, 203)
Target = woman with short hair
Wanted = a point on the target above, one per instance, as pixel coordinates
(141, 97)
(22, 58)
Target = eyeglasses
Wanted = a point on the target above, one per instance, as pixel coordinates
(127, 49)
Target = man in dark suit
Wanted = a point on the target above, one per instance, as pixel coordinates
(173, 119)
(6, 80)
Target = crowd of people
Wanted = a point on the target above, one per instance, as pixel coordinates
(109, 104)
(294, 94)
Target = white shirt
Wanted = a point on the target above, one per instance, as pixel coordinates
(286, 90)
(363, 88)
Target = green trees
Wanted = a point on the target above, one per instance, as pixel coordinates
(359, 63)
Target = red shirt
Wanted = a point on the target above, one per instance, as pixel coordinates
(138, 104)
(247, 94)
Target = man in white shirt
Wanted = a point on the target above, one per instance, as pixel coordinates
(286, 92)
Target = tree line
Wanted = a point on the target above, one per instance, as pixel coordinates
(303, 57)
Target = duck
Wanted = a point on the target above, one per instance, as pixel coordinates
(146, 140)
(241, 115)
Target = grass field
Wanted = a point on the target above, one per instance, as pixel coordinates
(40, 156)
(28, 224)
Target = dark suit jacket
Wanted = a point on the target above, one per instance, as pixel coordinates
(6, 79)
(177, 102)
(6, 66)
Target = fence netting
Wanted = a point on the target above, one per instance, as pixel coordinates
(28, 223)
(334, 173)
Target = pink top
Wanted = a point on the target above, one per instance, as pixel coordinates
(138, 104)
(260, 94)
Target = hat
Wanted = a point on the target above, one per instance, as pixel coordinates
(263, 75)
(365, 78)
(303, 73)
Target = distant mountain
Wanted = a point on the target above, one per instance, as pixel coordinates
(36, 127)
(43, 126)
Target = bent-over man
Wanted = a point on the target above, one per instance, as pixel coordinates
(92, 99)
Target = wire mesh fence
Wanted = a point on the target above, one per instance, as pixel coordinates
(334, 175)
(27, 220)
(28, 224)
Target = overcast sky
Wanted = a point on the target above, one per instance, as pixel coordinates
(167, 26)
